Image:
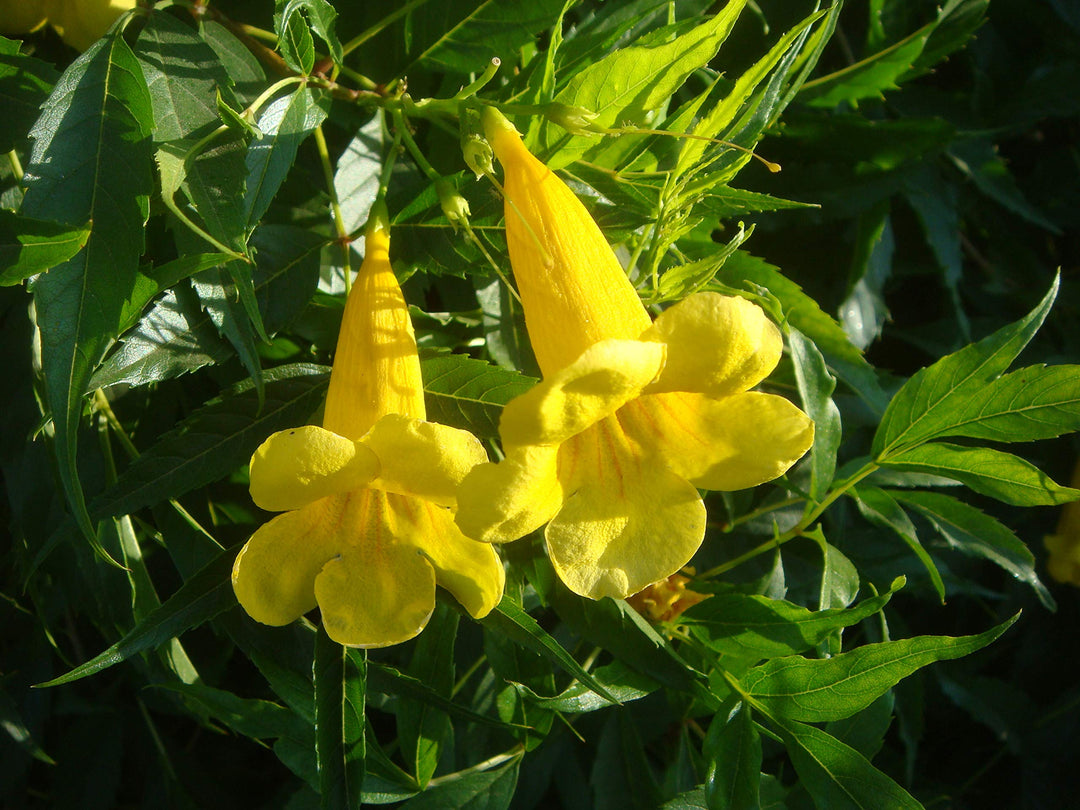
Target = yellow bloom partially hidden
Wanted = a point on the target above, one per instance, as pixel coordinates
(80, 23)
(1064, 544)
(632, 417)
(664, 601)
(368, 530)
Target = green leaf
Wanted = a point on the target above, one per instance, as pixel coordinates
(340, 725)
(215, 439)
(201, 598)
(974, 532)
(816, 386)
(837, 776)
(1003, 476)
(32, 246)
(91, 162)
(12, 723)
(258, 719)
(470, 790)
(295, 43)
(618, 680)
(247, 75)
(509, 619)
(221, 299)
(879, 507)
(285, 124)
(978, 160)
(386, 680)
(823, 689)
(956, 22)
(183, 74)
(732, 749)
(629, 83)
(928, 404)
(321, 17)
(461, 36)
(621, 777)
(469, 394)
(25, 83)
(214, 179)
(423, 730)
(753, 627)
(678, 282)
(869, 77)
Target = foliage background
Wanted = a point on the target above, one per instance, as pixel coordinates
(947, 197)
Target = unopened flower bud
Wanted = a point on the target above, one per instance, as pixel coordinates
(478, 154)
(454, 206)
(575, 120)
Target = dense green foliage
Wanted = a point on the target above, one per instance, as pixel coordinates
(176, 211)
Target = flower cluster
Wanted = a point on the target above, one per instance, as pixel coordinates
(631, 419)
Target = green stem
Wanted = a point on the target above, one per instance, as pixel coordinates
(16, 166)
(335, 204)
(475, 87)
(479, 767)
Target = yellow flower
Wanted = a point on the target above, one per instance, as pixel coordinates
(367, 530)
(631, 416)
(1064, 544)
(21, 16)
(80, 23)
(666, 600)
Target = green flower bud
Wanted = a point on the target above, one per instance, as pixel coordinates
(454, 206)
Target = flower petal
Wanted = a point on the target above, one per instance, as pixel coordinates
(573, 289)
(717, 345)
(470, 570)
(722, 444)
(420, 458)
(274, 574)
(501, 502)
(630, 524)
(295, 467)
(606, 376)
(378, 590)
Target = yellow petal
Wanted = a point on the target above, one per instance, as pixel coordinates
(425, 459)
(573, 289)
(628, 523)
(380, 590)
(274, 574)
(470, 570)
(376, 368)
(723, 444)
(294, 467)
(717, 345)
(599, 382)
(501, 502)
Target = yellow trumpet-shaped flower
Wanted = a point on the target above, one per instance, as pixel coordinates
(632, 416)
(80, 23)
(367, 531)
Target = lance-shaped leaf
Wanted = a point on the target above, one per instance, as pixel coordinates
(340, 676)
(837, 776)
(823, 689)
(974, 532)
(990, 472)
(201, 598)
(321, 18)
(816, 386)
(32, 246)
(476, 790)
(91, 161)
(751, 626)
(929, 403)
(879, 507)
(25, 83)
(636, 79)
(733, 752)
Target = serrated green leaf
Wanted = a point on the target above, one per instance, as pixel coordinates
(214, 179)
(321, 17)
(956, 22)
(733, 751)
(32, 246)
(183, 74)
(285, 124)
(215, 440)
(469, 394)
(219, 296)
(928, 404)
(25, 83)
(1003, 476)
(678, 282)
(340, 676)
(823, 689)
(90, 162)
(879, 507)
(247, 75)
(295, 43)
(837, 776)
(201, 598)
(974, 532)
(635, 79)
(753, 627)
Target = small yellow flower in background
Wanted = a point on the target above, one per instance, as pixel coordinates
(80, 23)
(665, 601)
(367, 530)
(631, 416)
(1064, 544)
